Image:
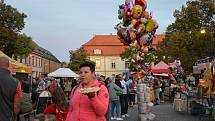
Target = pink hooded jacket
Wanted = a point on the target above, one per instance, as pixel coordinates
(83, 108)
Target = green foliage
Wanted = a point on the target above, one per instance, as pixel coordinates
(138, 59)
(76, 58)
(11, 18)
(7, 41)
(129, 53)
(12, 42)
(183, 38)
(22, 42)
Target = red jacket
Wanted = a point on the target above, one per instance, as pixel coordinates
(84, 109)
(57, 111)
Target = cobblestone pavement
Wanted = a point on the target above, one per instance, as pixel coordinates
(165, 112)
(133, 114)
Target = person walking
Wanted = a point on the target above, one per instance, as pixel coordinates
(91, 105)
(10, 93)
(33, 91)
(131, 89)
(123, 97)
(163, 86)
(114, 99)
(67, 88)
(156, 87)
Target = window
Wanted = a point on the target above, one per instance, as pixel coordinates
(127, 64)
(98, 64)
(113, 65)
(29, 60)
(39, 62)
(97, 52)
(32, 60)
(26, 60)
(36, 61)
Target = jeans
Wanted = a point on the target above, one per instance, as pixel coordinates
(108, 114)
(115, 103)
(124, 103)
(157, 96)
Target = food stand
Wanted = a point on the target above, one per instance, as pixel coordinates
(19, 71)
(203, 93)
(15, 66)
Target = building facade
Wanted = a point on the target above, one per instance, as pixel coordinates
(105, 51)
(42, 62)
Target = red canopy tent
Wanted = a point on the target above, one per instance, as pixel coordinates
(161, 67)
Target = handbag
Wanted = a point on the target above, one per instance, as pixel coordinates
(118, 93)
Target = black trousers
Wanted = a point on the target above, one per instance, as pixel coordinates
(124, 104)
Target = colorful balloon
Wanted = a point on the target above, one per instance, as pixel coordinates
(151, 25)
(136, 30)
(141, 3)
(146, 15)
(141, 28)
(137, 11)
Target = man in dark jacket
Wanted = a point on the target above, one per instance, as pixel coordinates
(10, 92)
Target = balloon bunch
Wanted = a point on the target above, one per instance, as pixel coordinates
(176, 70)
(137, 29)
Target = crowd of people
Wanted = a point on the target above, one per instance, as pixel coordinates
(69, 99)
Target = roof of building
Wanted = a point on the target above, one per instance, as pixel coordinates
(45, 53)
(110, 45)
(104, 40)
(158, 38)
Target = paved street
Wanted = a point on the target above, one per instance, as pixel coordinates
(165, 112)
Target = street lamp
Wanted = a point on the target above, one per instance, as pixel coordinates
(203, 31)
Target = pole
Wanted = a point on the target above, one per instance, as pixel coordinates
(105, 66)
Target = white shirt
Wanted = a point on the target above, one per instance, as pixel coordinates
(123, 84)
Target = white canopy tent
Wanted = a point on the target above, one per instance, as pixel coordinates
(63, 72)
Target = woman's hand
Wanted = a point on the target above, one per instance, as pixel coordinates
(90, 94)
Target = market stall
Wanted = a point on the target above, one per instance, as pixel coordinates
(161, 67)
(16, 67)
(63, 72)
(202, 91)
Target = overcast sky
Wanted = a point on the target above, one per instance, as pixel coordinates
(63, 25)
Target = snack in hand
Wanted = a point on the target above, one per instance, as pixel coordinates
(89, 90)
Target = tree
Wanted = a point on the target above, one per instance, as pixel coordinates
(76, 58)
(24, 45)
(183, 39)
(132, 54)
(12, 42)
(11, 18)
(7, 41)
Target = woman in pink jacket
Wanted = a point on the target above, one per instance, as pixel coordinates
(88, 106)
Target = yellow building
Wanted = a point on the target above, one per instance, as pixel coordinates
(105, 51)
